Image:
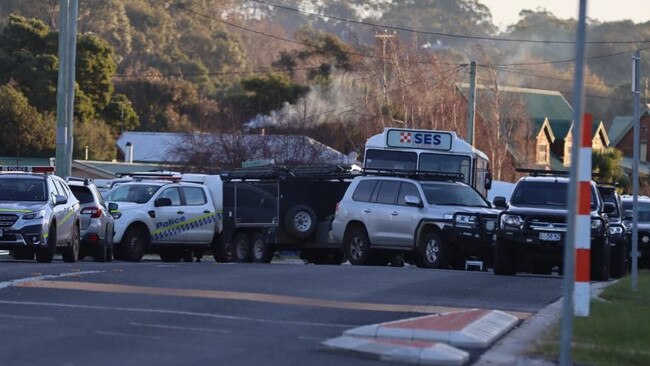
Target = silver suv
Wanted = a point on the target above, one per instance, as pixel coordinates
(437, 221)
(38, 216)
(96, 221)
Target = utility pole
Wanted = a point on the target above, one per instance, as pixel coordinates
(471, 107)
(69, 10)
(566, 329)
(636, 72)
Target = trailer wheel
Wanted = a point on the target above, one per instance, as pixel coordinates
(260, 249)
(300, 221)
(242, 248)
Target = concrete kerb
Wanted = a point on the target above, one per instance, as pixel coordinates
(514, 349)
(423, 353)
(474, 328)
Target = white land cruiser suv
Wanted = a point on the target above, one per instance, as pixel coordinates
(437, 221)
(168, 218)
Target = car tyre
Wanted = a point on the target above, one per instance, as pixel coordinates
(300, 221)
(222, 251)
(261, 250)
(618, 260)
(357, 247)
(434, 252)
(242, 248)
(505, 262)
(600, 261)
(45, 255)
(134, 245)
(70, 254)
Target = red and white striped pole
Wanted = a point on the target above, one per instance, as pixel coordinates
(583, 222)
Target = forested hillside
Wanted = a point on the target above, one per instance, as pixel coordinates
(338, 71)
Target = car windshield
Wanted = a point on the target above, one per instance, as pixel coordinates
(137, 193)
(452, 194)
(83, 194)
(644, 210)
(543, 194)
(22, 189)
(609, 195)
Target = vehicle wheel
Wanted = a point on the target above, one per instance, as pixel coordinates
(434, 252)
(70, 254)
(618, 265)
(261, 250)
(104, 253)
(22, 255)
(600, 261)
(300, 221)
(134, 245)
(505, 262)
(170, 255)
(357, 247)
(45, 255)
(242, 248)
(222, 251)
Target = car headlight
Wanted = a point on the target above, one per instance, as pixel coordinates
(596, 224)
(34, 215)
(512, 220)
(465, 219)
(448, 217)
(645, 239)
(615, 230)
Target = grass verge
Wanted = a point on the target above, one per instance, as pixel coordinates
(617, 331)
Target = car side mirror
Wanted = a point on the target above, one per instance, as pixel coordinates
(488, 181)
(112, 206)
(60, 200)
(610, 207)
(413, 201)
(499, 202)
(162, 202)
(628, 215)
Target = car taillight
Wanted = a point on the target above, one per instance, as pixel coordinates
(337, 207)
(94, 212)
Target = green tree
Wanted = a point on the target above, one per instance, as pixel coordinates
(95, 135)
(607, 166)
(120, 115)
(25, 131)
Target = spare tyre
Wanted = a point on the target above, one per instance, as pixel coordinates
(300, 221)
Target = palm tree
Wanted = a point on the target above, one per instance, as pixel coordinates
(606, 165)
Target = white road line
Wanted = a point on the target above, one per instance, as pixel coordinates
(6, 284)
(25, 317)
(174, 327)
(120, 334)
(176, 312)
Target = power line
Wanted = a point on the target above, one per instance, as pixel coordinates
(188, 10)
(215, 73)
(571, 60)
(442, 34)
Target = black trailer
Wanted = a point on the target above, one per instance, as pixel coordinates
(271, 208)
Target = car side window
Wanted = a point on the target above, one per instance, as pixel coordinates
(387, 192)
(407, 189)
(60, 189)
(364, 190)
(53, 189)
(173, 194)
(194, 196)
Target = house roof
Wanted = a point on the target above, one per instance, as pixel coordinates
(160, 147)
(622, 124)
(540, 105)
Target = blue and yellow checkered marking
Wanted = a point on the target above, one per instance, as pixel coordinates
(185, 226)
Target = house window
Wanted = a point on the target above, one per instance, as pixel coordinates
(542, 154)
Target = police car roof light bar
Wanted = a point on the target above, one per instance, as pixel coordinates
(27, 169)
(542, 172)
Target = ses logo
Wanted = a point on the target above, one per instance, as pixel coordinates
(419, 139)
(170, 222)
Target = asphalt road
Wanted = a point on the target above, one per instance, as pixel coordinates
(154, 313)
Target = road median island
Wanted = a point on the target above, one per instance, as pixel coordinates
(430, 339)
(616, 331)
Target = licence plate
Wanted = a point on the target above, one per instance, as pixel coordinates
(550, 236)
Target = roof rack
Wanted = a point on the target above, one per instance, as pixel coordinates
(543, 173)
(416, 174)
(280, 172)
(153, 175)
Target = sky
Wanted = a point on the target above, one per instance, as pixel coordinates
(506, 12)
